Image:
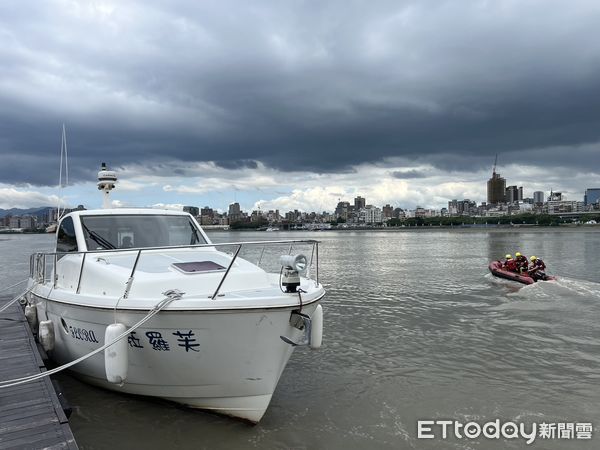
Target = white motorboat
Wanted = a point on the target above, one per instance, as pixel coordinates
(201, 325)
(51, 228)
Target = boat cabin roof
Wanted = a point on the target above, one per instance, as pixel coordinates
(128, 211)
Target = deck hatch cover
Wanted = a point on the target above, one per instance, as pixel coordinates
(198, 266)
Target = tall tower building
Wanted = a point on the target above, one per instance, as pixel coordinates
(235, 212)
(496, 187)
(538, 197)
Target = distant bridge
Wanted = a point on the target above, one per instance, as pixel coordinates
(215, 227)
(575, 215)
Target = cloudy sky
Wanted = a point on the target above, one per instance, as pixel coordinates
(296, 104)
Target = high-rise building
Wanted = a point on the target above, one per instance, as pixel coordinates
(341, 210)
(513, 194)
(564, 206)
(466, 207)
(453, 207)
(496, 189)
(359, 203)
(193, 210)
(387, 211)
(538, 197)
(370, 214)
(592, 195)
(235, 212)
(26, 222)
(556, 197)
(207, 216)
(207, 211)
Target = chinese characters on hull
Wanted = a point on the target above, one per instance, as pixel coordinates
(185, 340)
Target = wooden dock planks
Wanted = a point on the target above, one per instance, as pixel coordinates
(31, 416)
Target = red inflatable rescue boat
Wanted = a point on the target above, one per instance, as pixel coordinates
(498, 271)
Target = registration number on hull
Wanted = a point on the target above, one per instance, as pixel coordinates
(82, 334)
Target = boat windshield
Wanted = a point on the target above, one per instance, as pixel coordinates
(139, 231)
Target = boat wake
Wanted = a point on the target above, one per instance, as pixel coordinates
(582, 288)
(562, 288)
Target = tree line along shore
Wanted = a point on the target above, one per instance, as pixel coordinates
(541, 220)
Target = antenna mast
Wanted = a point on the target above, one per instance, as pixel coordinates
(66, 156)
(495, 162)
(63, 157)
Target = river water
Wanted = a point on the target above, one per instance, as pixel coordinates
(415, 329)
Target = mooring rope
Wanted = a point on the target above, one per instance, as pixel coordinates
(16, 284)
(17, 298)
(170, 296)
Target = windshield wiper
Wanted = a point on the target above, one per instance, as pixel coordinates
(194, 234)
(98, 239)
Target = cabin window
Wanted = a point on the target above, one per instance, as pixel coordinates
(65, 238)
(139, 231)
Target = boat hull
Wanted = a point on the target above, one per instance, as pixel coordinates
(225, 361)
(496, 269)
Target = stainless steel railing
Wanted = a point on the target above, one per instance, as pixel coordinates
(38, 262)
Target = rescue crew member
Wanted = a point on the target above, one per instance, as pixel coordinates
(510, 264)
(537, 268)
(522, 263)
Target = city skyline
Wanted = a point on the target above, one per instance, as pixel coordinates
(127, 191)
(287, 106)
(359, 213)
(501, 200)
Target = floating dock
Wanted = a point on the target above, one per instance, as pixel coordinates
(31, 415)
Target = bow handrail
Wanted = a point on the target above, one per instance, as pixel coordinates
(38, 261)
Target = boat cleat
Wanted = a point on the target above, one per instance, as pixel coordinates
(303, 323)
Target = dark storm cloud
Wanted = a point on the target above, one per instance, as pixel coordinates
(408, 174)
(237, 164)
(297, 87)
